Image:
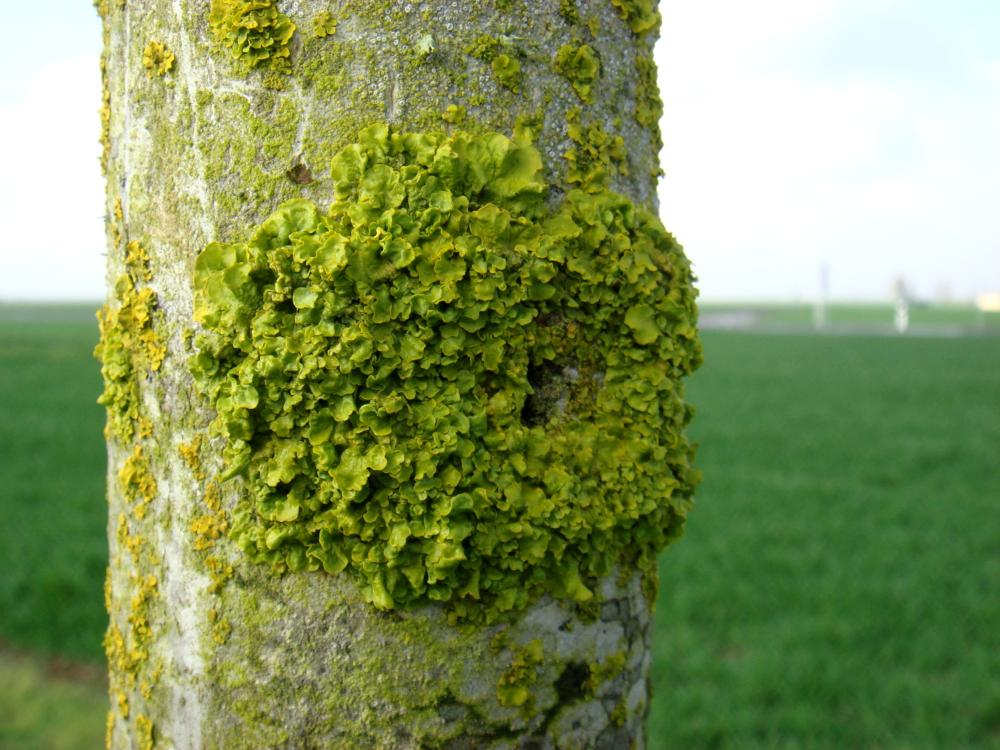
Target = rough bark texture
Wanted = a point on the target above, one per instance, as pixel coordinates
(206, 650)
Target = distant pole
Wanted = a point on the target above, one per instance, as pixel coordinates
(820, 311)
(901, 319)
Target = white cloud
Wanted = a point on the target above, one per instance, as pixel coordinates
(52, 189)
(993, 71)
(769, 173)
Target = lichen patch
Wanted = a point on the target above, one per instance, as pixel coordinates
(371, 368)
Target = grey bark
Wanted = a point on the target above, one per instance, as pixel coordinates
(258, 660)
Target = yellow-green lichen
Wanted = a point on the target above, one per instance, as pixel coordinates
(425, 45)
(650, 585)
(129, 344)
(501, 57)
(254, 32)
(514, 685)
(221, 627)
(137, 481)
(648, 104)
(596, 156)
(580, 66)
(484, 47)
(130, 347)
(105, 115)
(157, 59)
(603, 672)
(640, 15)
(569, 11)
(619, 714)
(398, 380)
(324, 24)
(507, 71)
(454, 114)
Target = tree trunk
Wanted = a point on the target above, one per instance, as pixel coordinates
(215, 114)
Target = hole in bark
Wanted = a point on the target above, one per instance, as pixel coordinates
(300, 174)
(546, 382)
(571, 683)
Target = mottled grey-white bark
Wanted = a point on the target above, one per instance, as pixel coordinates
(207, 650)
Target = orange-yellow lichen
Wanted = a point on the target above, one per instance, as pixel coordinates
(122, 699)
(145, 589)
(213, 497)
(191, 454)
(129, 345)
(210, 526)
(137, 481)
(144, 730)
(219, 571)
(157, 59)
(115, 224)
(137, 260)
(207, 529)
(128, 540)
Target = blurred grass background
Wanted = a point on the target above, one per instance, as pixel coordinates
(837, 587)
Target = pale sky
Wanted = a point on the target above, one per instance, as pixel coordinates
(862, 134)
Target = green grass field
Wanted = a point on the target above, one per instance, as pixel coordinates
(837, 587)
(42, 709)
(53, 550)
(838, 583)
(936, 319)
